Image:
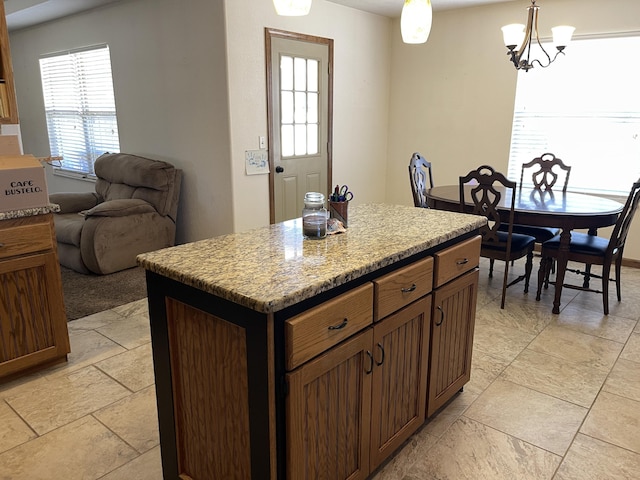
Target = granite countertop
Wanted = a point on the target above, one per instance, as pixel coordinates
(273, 267)
(29, 212)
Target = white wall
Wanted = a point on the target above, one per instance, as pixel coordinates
(360, 105)
(170, 83)
(452, 98)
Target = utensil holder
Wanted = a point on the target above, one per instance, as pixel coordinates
(339, 211)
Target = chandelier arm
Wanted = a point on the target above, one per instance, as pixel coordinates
(540, 45)
(550, 60)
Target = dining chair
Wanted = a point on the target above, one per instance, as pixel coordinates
(497, 244)
(419, 169)
(594, 250)
(545, 172)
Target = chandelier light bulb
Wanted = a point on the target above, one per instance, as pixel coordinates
(562, 35)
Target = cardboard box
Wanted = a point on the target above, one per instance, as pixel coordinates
(22, 183)
(10, 145)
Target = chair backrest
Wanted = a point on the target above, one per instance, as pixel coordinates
(621, 229)
(122, 175)
(485, 198)
(543, 177)
(419, 168)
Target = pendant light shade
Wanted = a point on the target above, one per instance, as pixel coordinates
(415, 21)
(292, 8)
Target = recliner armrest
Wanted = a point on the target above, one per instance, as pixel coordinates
(71, 202)
(120, 208)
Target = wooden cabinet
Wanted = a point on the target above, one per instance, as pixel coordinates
(400, 356)
(452, 322)
(8, 103)
(350, 408)
(327, 387)
(33, 324)
(328, 413)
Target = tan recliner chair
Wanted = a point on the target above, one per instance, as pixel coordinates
(132, 211)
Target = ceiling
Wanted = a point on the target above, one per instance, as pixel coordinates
(393, 8)
(25, 13)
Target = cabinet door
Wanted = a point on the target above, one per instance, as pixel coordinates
(452, 324)
(33, 326)
(399, 389)
(328, 413)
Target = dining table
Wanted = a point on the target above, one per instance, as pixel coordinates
(542, 208)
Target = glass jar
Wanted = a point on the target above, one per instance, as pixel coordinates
(314, 216)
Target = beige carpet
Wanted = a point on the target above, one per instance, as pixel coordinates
(88, 294)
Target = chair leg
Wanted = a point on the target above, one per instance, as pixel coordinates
(541, 275)
(618, 265)
(528, 267)
(606, 271)
(491, 262)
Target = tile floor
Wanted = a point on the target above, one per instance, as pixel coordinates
(551, 397)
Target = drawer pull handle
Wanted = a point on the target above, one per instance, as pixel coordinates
(410, 289)
(1, 245)
(339, 326)
(438, 323)
(370, 363)
(462, 262)
(382, 351)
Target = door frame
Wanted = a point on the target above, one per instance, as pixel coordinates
(270, 33)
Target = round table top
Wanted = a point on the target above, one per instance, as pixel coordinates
(543, 208)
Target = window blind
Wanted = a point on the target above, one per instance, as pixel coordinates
(80, 106)
(585, 109)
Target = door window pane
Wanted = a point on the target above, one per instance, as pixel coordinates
(286, 108)
(286, 73)
(299, 99)
(287, 140)
(312, 75)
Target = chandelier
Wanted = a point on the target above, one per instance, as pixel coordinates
(292, 8)
(519, 40)
(415, 21)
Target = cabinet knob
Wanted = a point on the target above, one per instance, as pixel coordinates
(464, 261)
(382, 351)
(438, 323)
(370, 363)
(410, 289)
(339, 326)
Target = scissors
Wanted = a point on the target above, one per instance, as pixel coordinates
(343, 194)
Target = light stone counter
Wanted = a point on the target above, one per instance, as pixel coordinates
(29, 212)
(271, 268)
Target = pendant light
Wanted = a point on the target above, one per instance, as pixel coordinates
(292, 8)
(415, 21)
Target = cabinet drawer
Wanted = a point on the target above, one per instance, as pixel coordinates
(397, 289)
(25, 239)
(316, 330)
(454, 261)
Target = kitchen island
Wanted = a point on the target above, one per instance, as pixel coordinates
(277, 356)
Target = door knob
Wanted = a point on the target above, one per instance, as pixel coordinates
(279, 169)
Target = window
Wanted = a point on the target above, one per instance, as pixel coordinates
(585, 109)
(298, 106)
(80, 107)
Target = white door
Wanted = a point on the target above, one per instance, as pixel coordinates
(299, 79)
